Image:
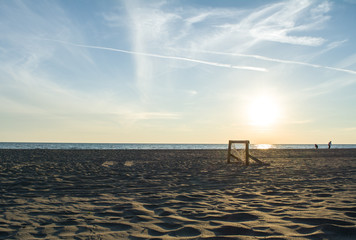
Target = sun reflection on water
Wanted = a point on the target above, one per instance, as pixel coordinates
(264, 146)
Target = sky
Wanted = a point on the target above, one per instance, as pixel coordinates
(188, 71)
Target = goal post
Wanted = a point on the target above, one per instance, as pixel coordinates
(231, 154)
(242, 152)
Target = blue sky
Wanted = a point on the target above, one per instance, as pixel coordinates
(178, 71)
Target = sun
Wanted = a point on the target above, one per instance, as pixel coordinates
(263, 111)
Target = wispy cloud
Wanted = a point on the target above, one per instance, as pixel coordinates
(32, 70)
(160, 25)
(259, 57)
(216, 64)
(281, 22)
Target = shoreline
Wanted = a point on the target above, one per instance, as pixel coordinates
(157, 146)
(177, 194)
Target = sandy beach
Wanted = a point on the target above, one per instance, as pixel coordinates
(177, 194)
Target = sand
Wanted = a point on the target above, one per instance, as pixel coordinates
(179, 194)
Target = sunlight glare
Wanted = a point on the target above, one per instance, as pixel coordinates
(263, 111)
(264, 146)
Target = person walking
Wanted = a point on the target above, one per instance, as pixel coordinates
(329, 145)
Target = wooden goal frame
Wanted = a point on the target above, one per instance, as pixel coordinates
(247, 152)
(247, 149)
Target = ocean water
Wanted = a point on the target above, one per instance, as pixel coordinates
(35, 145)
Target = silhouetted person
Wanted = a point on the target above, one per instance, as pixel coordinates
(329, 145)
(316, 146)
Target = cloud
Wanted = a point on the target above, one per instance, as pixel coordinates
(277, 22)
(25, 62)
(277, 60)
(226, 38)
(216, 64)
(39, 79)
(160, 25)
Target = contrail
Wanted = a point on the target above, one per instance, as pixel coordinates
(279, 61)
(163, 56)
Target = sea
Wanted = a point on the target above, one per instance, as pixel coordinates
(156, 146)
